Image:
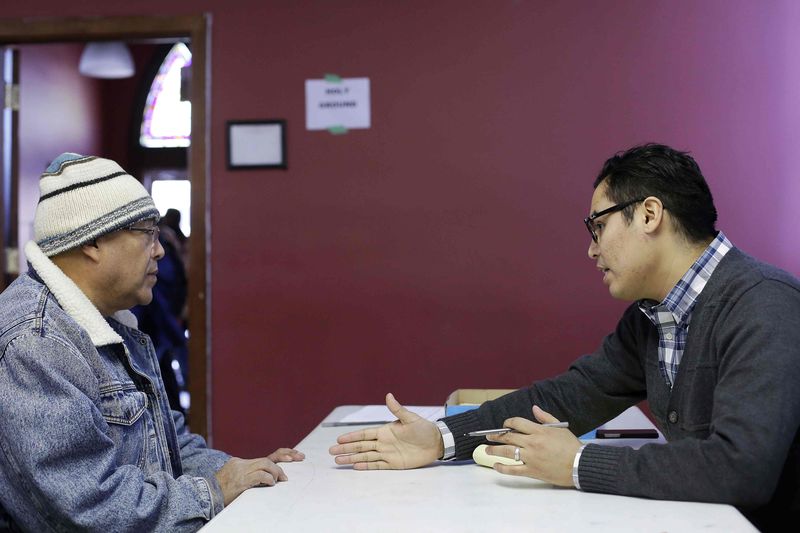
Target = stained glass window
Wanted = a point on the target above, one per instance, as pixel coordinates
(167, 120)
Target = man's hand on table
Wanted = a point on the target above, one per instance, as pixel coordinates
(409, 442)
(237, 475)
(548, 453)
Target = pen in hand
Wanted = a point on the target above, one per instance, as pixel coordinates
(500, 431)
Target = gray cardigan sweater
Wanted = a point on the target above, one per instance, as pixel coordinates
(731, 420)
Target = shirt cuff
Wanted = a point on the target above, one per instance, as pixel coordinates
(575, 464)
(448, 440)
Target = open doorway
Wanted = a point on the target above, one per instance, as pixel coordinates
(193, 29)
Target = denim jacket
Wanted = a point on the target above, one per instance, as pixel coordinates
(87, 439)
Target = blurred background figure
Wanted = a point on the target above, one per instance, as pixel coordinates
(164, 319)
(170, 225)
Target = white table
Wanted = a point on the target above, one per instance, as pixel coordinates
(322, 496)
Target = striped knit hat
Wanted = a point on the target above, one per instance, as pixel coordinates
(84, 197)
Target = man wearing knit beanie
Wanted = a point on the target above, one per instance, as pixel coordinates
(87, 439)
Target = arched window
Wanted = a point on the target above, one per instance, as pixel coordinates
(167, 119)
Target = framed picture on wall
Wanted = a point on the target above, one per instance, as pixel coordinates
(256, 144)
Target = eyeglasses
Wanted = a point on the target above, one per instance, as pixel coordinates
(590, 220)
(152, 232)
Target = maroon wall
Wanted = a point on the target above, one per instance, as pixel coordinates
(443, 247)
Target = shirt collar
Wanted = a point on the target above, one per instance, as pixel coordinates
(680, 301)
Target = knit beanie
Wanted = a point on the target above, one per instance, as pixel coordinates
(83, 198)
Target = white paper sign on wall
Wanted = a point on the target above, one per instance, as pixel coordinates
(333, 103)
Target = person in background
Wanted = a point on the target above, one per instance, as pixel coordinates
(172, 220)
(87, 439)
(163, 319)
(172, 235)
(712, 342)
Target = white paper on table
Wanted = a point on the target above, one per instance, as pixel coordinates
(380, 414)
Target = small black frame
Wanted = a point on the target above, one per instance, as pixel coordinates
(256, 144)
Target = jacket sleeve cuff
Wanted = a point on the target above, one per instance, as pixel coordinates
(211, 495)
(598, 468)
(459, 425)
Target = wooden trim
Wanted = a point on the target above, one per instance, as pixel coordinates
(200, 247)
(196, 28)
(8, 183)
(43, 30)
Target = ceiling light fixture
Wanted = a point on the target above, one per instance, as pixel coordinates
(106, 59)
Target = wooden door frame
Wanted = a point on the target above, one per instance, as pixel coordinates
(195, 27)
(10, 160)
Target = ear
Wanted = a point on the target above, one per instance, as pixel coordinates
(653, 213)
(91, 251)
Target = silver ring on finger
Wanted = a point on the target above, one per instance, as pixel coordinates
(516, 454)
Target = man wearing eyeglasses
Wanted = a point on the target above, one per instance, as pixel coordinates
(87, 439)
(712, 341)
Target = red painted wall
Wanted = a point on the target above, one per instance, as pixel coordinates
(443, 247)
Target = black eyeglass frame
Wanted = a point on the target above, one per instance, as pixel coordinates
(152, 231)
(589, 221)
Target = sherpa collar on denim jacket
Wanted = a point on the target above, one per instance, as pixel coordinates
(74, 301)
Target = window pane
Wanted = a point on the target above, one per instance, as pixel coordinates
(167, 120)
(175, 194)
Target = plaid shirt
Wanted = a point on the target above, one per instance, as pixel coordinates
(673, 315)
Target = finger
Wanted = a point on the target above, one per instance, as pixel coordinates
(297, 455)
(515, 438)
(375, 465)
(493, 450)
(521, 426)
(259, 478)
(265, 464)
(543, 416)
(349, 459)
(497, 437)
(363, 446)
(354, 458)
(283, 451)
(511, 470)
(517, 424)
(290, 457)
(276, 471)
(501, 451)
(355, 447)
(335, 450)
(353, 436)
(404, 415)
(293, 456)
(286, 455)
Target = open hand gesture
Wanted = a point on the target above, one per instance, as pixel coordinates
(408, 442)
